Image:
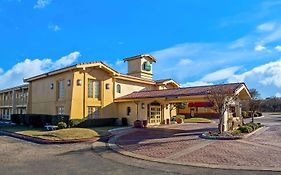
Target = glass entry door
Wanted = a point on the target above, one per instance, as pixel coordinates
(155, 115)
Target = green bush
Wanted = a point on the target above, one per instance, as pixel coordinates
(39, 120)
(237, 132)
(97, 122)
(75, 122)
(245, 129)
(62, 125)
(244, 114)
(257, 114)
(174, 118)
(254, 126)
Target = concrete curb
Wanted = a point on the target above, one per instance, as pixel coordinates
(256, 132)
(113, 146)
(45, 141)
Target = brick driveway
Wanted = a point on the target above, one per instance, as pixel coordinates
(181, 143)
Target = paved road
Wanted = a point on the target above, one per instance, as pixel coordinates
(20, 157)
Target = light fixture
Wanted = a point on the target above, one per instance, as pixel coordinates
(68, 82)
(107, 86)
(142, 106)
(79, 82)
(52, 86)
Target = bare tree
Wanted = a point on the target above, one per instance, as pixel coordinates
(221, 97)
(254, 102)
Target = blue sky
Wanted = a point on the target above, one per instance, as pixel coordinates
(196, 42)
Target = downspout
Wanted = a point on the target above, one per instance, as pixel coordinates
(84, 92)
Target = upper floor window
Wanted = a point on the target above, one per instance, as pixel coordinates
(94, 89)
(97, 85)
(61, 89)
(90, 88)
(118, 88)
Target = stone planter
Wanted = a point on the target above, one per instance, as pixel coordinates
(138, 124)
(179, 120)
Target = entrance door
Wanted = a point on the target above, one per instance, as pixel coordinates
(155, 115)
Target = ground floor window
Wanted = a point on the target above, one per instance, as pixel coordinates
(60, 110)
(93, 112)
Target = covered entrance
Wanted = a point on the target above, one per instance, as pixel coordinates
(154, 113)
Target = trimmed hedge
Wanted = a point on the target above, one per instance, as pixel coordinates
(96, 122)
(38, 120)
(174, 118)
(249, 127)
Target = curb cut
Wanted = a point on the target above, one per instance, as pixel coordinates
(113, 146)
(45, 141)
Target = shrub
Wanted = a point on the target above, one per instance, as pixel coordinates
(237, 132)
(244, 114)
(75, 122)
(97, 122)
(62, 125)
(254, 126)
(257, 114)
(174, 118)
(39, 120)
(245, 129)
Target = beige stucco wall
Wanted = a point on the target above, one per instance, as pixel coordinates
(128, 87)
(105, 103)
(44, 100)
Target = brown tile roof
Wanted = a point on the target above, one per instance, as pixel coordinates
(187, 91)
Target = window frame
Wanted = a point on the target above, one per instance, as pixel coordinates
(61, 89)
(118, 88)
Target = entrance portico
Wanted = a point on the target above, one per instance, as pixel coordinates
(156, 106)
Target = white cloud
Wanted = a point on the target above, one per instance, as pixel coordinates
(195, 83)
(185, 61)
(29, 68)
(278, 48)
(54, 27)
(269, 26)
(66, 60)
(260, 47)
(220, 74)
(268, 74)
(41, 3)
(278, 94)
(119, 62)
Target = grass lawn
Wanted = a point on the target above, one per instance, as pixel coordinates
(63, 134)
(275, 113)
(197, 120)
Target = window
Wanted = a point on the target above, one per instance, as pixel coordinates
(60, 110)
(97, 89)
(128, 111)
(61, 89)
(90, 88)
(93, 112)
(118, 88)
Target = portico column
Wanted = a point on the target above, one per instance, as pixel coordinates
(225, 120)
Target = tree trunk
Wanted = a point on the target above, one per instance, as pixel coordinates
(252, 113)
(221, 124)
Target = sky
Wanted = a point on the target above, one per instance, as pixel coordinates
(195, 42)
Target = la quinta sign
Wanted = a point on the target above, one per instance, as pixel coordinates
(147, 66)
